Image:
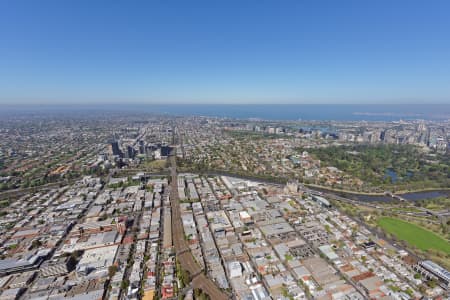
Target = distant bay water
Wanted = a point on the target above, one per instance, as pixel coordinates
(319, 112)
(314, 112)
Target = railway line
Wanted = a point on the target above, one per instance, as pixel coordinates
(198, 278)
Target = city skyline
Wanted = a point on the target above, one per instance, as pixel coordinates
(135, 205)
(259, 52)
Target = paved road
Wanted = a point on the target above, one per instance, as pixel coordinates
(184, 255)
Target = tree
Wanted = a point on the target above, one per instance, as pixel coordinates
(432, 283)
(185, 277)
(36, 244)
(112, 270)
(124, 284)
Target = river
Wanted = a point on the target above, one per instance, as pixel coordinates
(413, 196)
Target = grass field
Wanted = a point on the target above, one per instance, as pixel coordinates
(158, 164)
(414, 235)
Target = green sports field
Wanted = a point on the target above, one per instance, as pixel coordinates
(414, 235)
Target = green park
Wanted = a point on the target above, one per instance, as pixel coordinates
(414, 235)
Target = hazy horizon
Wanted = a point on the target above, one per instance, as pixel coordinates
(323, 112)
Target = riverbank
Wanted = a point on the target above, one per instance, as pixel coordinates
(399, 193)
(362, 196)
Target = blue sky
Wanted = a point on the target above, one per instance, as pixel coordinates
(224, 51)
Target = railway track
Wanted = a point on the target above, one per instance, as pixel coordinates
(198, 279)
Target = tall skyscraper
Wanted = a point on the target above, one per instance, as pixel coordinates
(114, 148)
